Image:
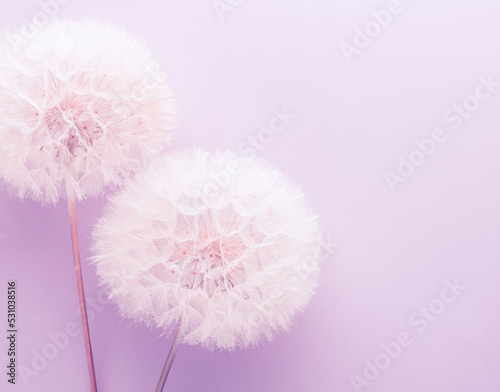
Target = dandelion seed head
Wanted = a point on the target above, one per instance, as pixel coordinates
(82, 104)
(223, 242)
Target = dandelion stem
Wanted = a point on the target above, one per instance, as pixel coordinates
(170, 359)
(79, 282)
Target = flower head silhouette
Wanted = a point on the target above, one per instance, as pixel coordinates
(222, 243)
(82, 105)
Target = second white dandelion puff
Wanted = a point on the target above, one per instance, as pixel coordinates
(222, 244)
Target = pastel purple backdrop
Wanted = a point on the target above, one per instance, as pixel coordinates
(357, 110)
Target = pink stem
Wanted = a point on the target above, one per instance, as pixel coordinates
(170, 360)
(79, 282)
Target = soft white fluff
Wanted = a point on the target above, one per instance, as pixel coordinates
(83, 103)
(220, 241)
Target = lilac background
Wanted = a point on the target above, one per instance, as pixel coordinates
(353, 121)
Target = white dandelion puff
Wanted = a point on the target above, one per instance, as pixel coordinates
(81, 104)
(221, 243)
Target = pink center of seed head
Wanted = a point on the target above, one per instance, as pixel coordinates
(208, 262)
(214, 267)
(71, 127)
